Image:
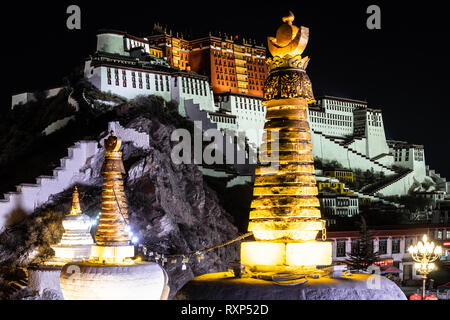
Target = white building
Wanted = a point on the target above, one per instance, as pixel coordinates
(22, 98)
(342, 205)
(248, 111)
(123, 65)
(392, 243)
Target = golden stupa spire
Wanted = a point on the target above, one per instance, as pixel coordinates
(76, 209)
(285, 215)
(114, 209)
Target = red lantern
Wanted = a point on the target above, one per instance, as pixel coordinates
(415, 296)
(431, 298)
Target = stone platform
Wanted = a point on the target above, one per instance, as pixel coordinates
(94, 281)
(224, 286)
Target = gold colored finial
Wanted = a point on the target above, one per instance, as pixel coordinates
(289, 19)
(113, 143)
(290, 41)
(76, 209)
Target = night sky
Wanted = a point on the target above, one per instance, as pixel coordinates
(401, 69)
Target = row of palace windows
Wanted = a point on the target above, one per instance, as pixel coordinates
(332, 122)
(192, 86)
(340, 202)
(398, 154)
(341, 106)
(223, 119)
(382, 246)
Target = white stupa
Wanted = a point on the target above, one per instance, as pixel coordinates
(76, 241)
(75, 245)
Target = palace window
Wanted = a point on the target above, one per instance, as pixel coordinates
(340, 248)
(382, 246)
(355, 246)
(161, 82)
(147, 81)
(116, 74)
(124, 78)
(396, 245)
(133, 79)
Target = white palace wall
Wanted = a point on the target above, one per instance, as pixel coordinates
(30, 196)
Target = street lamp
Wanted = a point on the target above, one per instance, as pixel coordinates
(425, 253)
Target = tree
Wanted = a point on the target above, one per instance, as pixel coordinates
(364, 255)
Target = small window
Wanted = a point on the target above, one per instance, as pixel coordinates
(340, 248)
(382, 246)
(396, 245)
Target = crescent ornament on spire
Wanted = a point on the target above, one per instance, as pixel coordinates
(290, 40)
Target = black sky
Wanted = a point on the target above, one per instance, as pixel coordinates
(401, 69)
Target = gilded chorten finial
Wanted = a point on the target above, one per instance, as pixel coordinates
(290, 40)
(287, 78)
(113, 143)
(76, 209)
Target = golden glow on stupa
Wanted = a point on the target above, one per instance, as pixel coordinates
(76, 208)
(112, 241)
(285, 215)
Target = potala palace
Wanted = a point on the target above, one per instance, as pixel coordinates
(344, 130)
(218, 80)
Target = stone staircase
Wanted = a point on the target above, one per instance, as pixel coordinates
(377, 165)
(377, 189)
(441, 182)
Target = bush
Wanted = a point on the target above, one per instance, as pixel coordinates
(30, 240)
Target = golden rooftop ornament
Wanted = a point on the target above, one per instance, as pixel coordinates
(290, 40)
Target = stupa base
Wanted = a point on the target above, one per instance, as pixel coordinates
(74, 253)
(224, 286)
(95, 281)
(262, 256)
(112, 254)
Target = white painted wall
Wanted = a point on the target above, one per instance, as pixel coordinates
(327, 149)
(111, 43)
(250, 116)
(30, 196)
(190, 88)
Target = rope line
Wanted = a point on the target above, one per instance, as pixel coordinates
(248, 234)
(118, 206)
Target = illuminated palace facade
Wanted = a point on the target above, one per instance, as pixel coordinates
(219, 77)
(219, 80)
